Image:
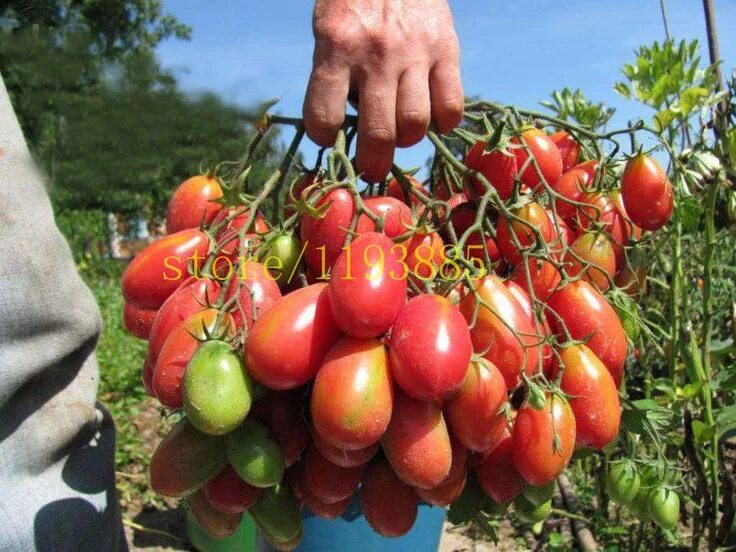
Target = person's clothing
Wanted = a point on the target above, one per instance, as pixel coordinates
(57, 478)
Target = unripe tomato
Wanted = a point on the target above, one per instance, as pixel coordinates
(155, 273)
(323, 235)
(389, 504)
(543, 440)
(352, 396)
(303, 320)
(257, 290)
(647, 192)
(276, 512)
(342, 457)
(394, 190)
(585, 312)
(138, 321)
(632, 274)
(540, 495)
(593, 396)
(473, 413)
(544, 151)
(446, 492)
(572, 185)
(664, 507)
(214, 522)
(503, 332)
(395, 214)
(368, 288)
(569, 149)
(623, 482)
(497, 473)
(282, 413)
(329, 482)
(530, 512)
(255, 455)
(591, 254)
(429, 360)
(535, 218)
(498, 167)
(601, 211)
(281, 257)
(192, 204)
(417, 443)
(639, 507)
(228, 493)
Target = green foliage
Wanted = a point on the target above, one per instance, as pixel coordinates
(575, 107)
(85, 230)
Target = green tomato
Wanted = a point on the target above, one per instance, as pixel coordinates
(281, 257)
(639, 507)
(623, 482)
(277, 514)
(530, 512)
(664, 507)
(255, 455)
(539, 495)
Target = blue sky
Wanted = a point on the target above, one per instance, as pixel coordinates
(515, 52)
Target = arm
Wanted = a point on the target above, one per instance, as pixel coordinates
(401, 57)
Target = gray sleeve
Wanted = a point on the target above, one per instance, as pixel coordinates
(57, 481)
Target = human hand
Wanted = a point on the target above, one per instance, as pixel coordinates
(401, 57)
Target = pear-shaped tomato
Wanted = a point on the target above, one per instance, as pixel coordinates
(541, 331)
(572, 186)
(543, 440)
(417, 443)
(586, 313)
(647, 192)
(282, 412)
(282, 256)
(396, 216)
(473, 413)
(592, 255)
(155, 273)
(257, 290)
(255, 455)
(276, 512)
(425, 256)
(394, 190)
(593, 396)
(446, 492)
(138, 321)
(330, 482)
(368, 286)
(287, 344)
(497, 473)
(429, 360)
(509, 230)
(569, 149)
(544, 151)
(543, 278)
(323, 233)
(389, 504)
(192, 203)
(352, 396)
(214, 522)
(342, 457)
(228, 493)
(498, 167)
(323, 509)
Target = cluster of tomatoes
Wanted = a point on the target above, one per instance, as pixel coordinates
(404, 346)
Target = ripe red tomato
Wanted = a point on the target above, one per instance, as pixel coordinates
(535, 455)
(352, 397)
(155, 273)
(498, 167)
(562, 236)
(477, 247)
(257, 290)
(462, 218)
(228, 493)
(629, 231)
(542, 328)
(425, 255)
(260, 226)
(591, 254)
(647, 192)
(497, 473)
(395, 191)
(569, 149)
(543, 277)
(585, 312)
(368, 286)
(287, 344)
(282, 413)
(544, 151)
(503, 332)
(450, 489)
(429, 360)
(396, 215)
(341, 457)
(571, 186)
(138, 321)
(417, 443)
(192, 204)
(593, 396)
(474, 412)
(322, 509)
(389, 504)
(329, 482)
(324, 235)
(536, 218)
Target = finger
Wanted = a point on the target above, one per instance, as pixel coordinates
(376, 127)
(324, 104)
(447, 95)
(413, 108)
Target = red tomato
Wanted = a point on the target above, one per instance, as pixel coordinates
(395, 191)
(497, 473)
(542, 328)
(324, 235)
(571, 186)
(585, 312)
(462, 218)
(425, 255)
(593, 396)
(477, 247)
(546, 154)
(138, 321)
(155, 273)
(282, 413)
(647, 192)
(474, 413)
(147, 376)
(446, 492)
(535, 455)
(562, 236)
(389, 504)
(543, 277)
(228, 493)
(257, 291)
(417, 443)
(429, 360)
(503, 332)
(322, 509)
(629, 230)
(498, 167)
(178, 348)
(368, 286)
(230, 248)
(341, 457)
(569, 149)
(192, 204)
(396, 216)
(352, 396)
(591, 254)
(536, 218)
(330, 483)
(259, 225)
(602, 212)
(287, 344)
